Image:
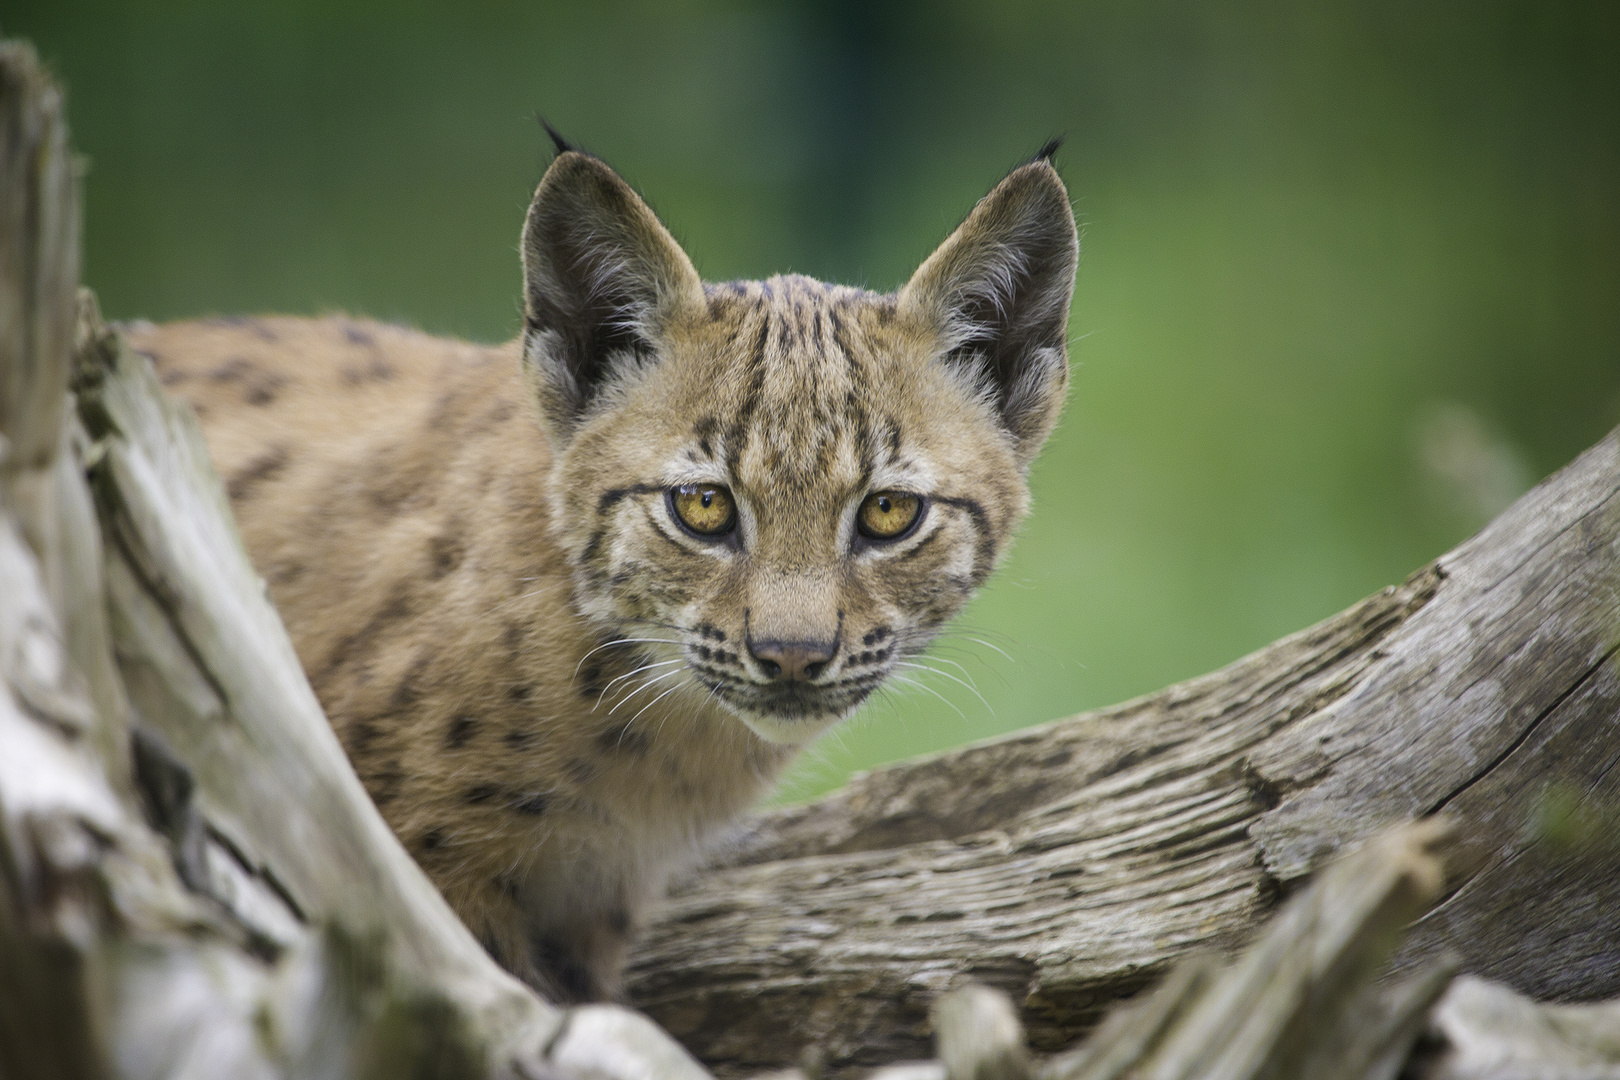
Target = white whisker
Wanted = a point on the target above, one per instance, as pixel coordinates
(650, 682)
(986, 644)
(947, 675)
(930, 690)
(653, 702)
(622, 641)
(958, 667)
(626, 675)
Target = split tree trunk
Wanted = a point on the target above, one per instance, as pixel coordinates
(193, 883)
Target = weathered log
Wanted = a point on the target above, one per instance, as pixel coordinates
(1302, 1002)
(1070, 865)
(193, 882)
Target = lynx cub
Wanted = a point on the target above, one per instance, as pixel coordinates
(573, 602)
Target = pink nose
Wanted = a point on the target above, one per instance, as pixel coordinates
(791, 661)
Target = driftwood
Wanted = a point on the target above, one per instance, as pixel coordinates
(193, 883)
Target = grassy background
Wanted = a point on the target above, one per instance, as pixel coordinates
(1350, 272)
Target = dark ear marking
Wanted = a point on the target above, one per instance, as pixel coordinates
(997, 294)
(1047, 151)
(602, 278)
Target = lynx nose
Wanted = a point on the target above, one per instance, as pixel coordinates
(791, 661)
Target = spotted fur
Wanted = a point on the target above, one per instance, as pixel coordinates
(555, 692)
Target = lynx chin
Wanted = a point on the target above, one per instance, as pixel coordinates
(572, 603)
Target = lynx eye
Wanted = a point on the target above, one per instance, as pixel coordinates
(705, 509)
(888, 515)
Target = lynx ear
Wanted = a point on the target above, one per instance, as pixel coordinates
(997, 291)
(601, 276)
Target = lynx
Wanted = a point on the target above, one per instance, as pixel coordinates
(573, 603)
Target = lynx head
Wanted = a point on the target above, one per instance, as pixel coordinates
(789, 486)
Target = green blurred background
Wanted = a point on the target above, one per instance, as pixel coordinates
(1350, 275)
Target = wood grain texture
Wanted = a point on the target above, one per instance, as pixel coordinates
(1070, 864)
(1302, 1000)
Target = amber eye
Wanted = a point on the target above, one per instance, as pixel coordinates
(887, 515)
(706, 509)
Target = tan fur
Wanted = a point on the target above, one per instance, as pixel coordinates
(554, 692)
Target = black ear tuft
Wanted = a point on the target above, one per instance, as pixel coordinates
(562, 144)
(1045, 153)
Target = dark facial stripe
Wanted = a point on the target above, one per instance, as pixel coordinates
(984, 556)
(665, 537)
(706, 429)
(593, 545)
(612, 497)
(921, 544)
(737, 433)
(608, 501)
(860, 393)
(893, 436)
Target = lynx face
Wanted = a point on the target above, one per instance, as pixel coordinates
(779, 490)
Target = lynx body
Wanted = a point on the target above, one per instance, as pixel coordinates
(573, 603)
